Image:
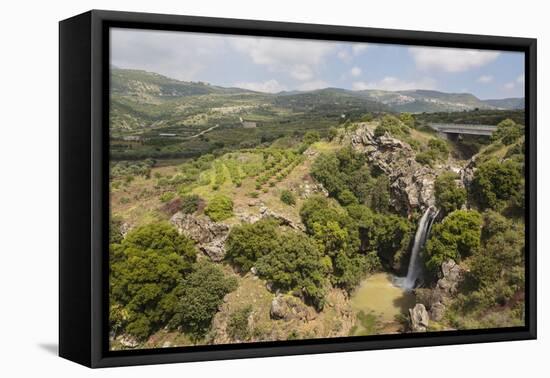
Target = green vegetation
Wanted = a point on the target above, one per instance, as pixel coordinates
(456, 237)
(493, 293)
(508, 132)
(248, 242)
(346, 177)
(237, 326)
(437, 151)
(202, 150)
(498, 184)
(219, 208)
(296, 265)
(198, 297)
(392, 125)
(144, 292)
(190, 203)
(449, 196)
(287, 197)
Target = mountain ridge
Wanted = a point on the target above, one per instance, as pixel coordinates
(148, 85)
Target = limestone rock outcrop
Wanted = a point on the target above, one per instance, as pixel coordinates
(411, 183)
(210, 236)
(287, 307)
(437, 299)
(419, 318)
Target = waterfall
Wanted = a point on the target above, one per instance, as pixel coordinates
(422, 232)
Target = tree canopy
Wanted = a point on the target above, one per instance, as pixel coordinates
(456, 237)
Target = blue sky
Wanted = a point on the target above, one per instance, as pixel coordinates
(276, 64)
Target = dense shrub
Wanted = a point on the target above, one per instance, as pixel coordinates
(448, 195)
(407, 119)
(508, 132)
(311, 137)
(391, 125)
(498, 184)
(190, 203)
(198, 297)
(389, 235)
(237, 326)
(287, 197)
(219, 208)
(344, 175)
(296, 265)
(248, 242)
(139, 285)
(456, 237)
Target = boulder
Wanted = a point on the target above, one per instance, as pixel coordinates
(287, 307)
(419, 318)
(128, 341)
(210, 236)
(268, 213)
(438, 298)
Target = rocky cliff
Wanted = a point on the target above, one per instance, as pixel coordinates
(412, 184)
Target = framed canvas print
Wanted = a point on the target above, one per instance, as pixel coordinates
(234, 188)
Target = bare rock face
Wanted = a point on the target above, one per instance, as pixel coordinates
(307, 189)
(419, 318)
(210, 236)
(288, 308)
(467, 173)
(411, 183)
(268, 213)
(438, 298)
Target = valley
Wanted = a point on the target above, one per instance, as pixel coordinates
(239, 216)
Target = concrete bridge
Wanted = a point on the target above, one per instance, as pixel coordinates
(455, 129)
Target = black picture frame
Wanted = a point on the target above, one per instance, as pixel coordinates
(84, 200)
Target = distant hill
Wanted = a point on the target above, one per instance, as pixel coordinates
(144, 100)
(143, 83)
(507, 103)
(420, 101)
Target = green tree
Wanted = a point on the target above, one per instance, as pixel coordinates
(448, 195)
(498, 184)
(297, 265)
(248, 242)
(219, 208)
(199, 295)
(456, 237)
(145, 270)
(508, 132)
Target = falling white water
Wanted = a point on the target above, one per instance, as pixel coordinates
(415, 264)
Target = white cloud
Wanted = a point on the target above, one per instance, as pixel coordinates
(485, 79)
(358, 48)
(355, 71)
(301, 72)
(520, 79)
(300, 59)
(182, 56)
(450, 59)
(269, 86)
(346, 54)
(390, 83)
(312, 85)
(509, 86)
